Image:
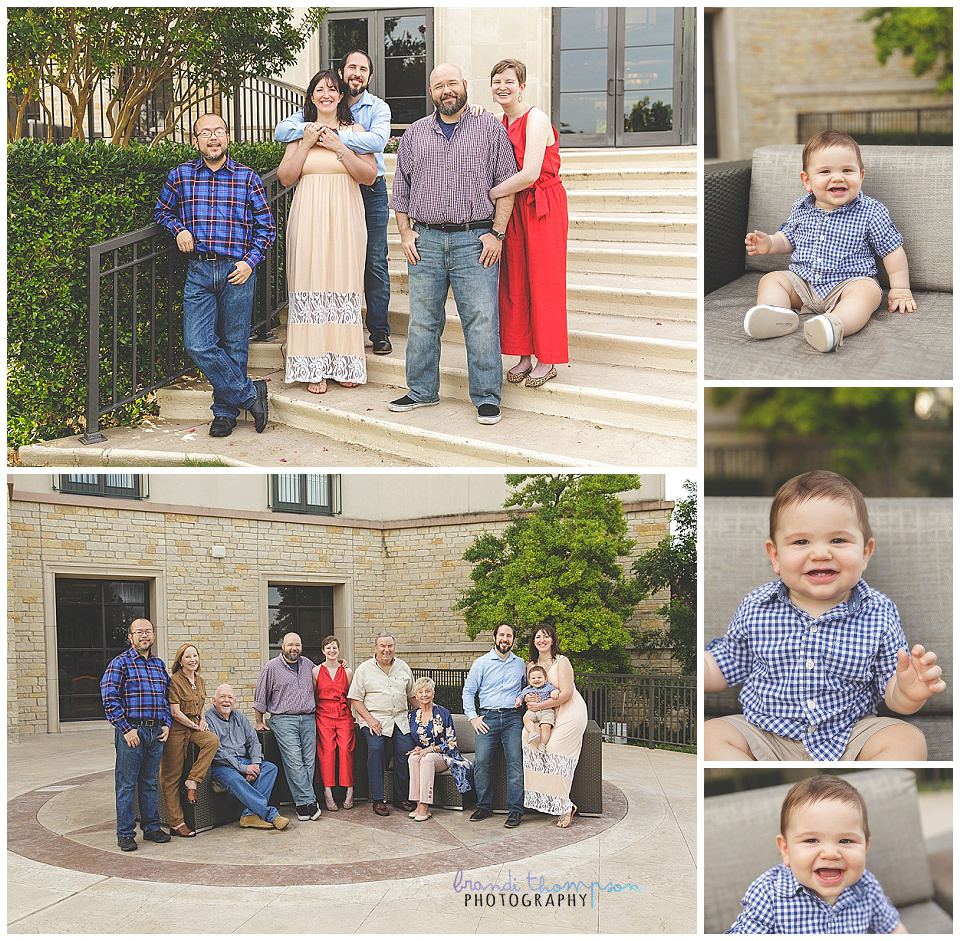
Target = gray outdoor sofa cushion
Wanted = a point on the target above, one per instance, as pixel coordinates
(912, 564)
(740, 829)
(915, 184)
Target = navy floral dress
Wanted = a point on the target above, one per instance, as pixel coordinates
(439, 731)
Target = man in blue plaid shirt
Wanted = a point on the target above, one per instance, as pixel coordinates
(134, 693)
(217, 211)
(819, 649)
(833, 232)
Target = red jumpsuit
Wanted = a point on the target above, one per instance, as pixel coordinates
(334, 727)
(533, 264)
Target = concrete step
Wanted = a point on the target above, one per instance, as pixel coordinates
(634, 228)
(448, 434)
(620, 200)
(599, 157)
(591, 338)
(633, 397)
(590, 257)
(628, 178)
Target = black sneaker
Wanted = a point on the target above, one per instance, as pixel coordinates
(405, 403)
(221, 427)
(488, 413)
(157, 836)
(382, 345)
(308, 812)
(258, 409)
(127, 844)
(513, 820)
(479, 814)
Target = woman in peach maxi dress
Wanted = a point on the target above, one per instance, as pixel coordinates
(326, 243)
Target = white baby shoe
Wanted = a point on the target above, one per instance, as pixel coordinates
(765, 321)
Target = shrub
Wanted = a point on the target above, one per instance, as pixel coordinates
(61, 199)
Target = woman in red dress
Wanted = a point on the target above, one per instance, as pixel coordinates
(331, 680)
(533, 265)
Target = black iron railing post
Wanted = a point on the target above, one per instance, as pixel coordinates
(93, 435)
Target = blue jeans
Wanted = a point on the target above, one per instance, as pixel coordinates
(452, 260)
(254, 797)
(297, 740)
(504, 728)
(216, 332)
(136, 773)
(376, 276)
(376, 759)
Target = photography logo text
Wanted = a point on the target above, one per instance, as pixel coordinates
(529, 890)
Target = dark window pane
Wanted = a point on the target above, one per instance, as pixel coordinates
(583, 114)
(404, 36)
(130, 592)
(344, 35)
(652, 112)
(649, 68)
(583, 27)
(583, 70)
(79, 590)
(647, 25)
(311, 594)
(408, 110)
(79, 626)
(406, 77)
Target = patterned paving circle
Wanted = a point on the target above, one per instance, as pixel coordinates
(442, 850)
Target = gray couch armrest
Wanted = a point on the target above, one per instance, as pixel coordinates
(726, 198)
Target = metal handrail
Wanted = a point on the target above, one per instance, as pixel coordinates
(149, 252)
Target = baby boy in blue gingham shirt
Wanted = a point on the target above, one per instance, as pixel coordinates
(823, 885)
(819, 649)
(833, 234)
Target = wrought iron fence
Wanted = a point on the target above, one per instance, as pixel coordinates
(251, 111)
(629, 708)
(923, 126)
(135, 295)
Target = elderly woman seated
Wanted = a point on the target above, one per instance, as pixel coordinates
(431, 727)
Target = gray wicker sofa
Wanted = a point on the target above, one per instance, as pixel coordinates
(915, 184)
(912, 564)
(739, 832)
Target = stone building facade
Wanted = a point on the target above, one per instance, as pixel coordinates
(772, 63)
(210, 568)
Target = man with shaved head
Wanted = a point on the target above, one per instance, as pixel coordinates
(285, 690)
(238, 764)
(451, 235)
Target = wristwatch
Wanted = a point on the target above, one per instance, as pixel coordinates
(499, 235)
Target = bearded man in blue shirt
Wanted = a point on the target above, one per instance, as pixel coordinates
(373, 115)
(217, 211)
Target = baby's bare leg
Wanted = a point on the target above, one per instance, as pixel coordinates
(857, 302)
(775, 289)
(545, 730)
(529, 724)
(724, 742)
(895, 743)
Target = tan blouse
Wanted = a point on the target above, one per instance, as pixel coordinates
(191, 701)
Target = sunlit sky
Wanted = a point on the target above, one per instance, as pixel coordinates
(673, 481)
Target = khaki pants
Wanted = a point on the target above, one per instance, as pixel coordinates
(171, 765)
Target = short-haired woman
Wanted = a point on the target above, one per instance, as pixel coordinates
(431, 727)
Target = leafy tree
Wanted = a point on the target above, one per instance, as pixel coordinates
(672, 564)
(138, 51)
(924, 34)
(560, 560)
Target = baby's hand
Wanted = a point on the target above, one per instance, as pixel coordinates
(517, 704)
(758, 243)
(555, 694)
(900, 299)
(918, 676)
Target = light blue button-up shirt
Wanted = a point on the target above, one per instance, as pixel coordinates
(370, 112)
(498, 681)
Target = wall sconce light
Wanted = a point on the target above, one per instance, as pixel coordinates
(218, 552)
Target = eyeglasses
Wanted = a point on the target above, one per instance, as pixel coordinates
(220, 132)
(141, 633)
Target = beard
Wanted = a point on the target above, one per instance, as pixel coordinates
(450, 108)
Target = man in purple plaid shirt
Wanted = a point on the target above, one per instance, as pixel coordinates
(134, 693)
(451, 235)
(217, 211)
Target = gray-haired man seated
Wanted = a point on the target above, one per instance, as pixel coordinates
(238, 764)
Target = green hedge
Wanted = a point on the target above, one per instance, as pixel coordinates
(60, 200)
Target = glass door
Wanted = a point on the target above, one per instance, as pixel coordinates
(400, 45)
(623, 77)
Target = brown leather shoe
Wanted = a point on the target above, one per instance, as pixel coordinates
(381, 809)
(182, 830)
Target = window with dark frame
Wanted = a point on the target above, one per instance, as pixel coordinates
(127, 486)
(93, 617)
(316, 494)
(306, 610)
